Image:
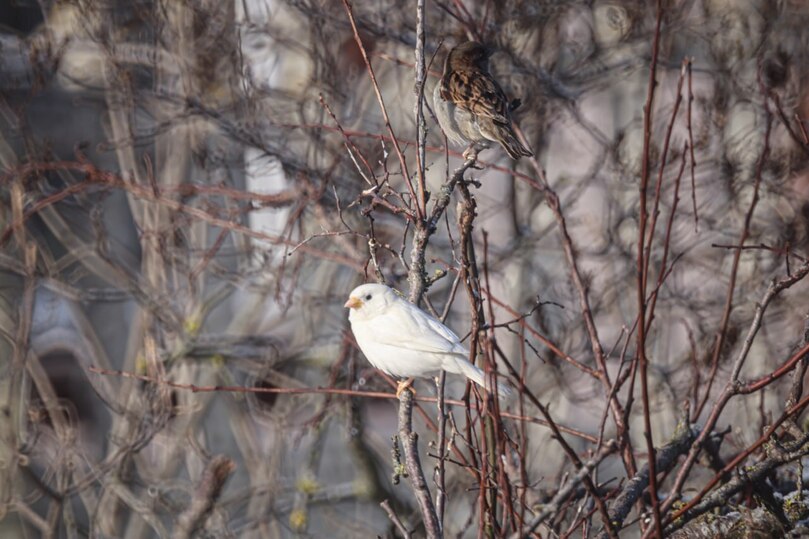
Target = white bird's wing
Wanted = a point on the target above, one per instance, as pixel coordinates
(406, 326)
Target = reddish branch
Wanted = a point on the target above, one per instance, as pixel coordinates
(324, 390)
(642, 265)
(378, 92)
(699, 505)
(96, 177)
(722, 333)
(731, 387)
(734, 386)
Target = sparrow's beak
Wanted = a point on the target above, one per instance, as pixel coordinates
(353, 303)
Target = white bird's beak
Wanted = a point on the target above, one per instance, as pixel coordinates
(353, 303)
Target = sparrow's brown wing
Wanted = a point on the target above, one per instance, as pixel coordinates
(477, 92)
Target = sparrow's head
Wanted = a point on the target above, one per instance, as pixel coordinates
(469, 55)
(368, 300)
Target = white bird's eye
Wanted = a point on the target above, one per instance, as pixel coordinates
(368, 297)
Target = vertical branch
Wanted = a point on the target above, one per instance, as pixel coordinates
(732, 385)
(523, 434)
(796, 390)
(642, 360)
(25, 315)
(415, 472)
(691, 146)
(618, 413)
(471, 279)
(421, 126)
(583, 471)
(667, 241)
(496, 437)
(417, 276)
(440, 493)
(659, 186)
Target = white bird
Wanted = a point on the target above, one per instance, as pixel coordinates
(402, 340)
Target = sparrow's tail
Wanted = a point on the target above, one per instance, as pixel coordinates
(502, 132)
(509, 141)
(462, 366)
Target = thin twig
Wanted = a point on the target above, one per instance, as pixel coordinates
(720, 338)
(381, 101)
(205, 495)
(642, 266)
(553, 506)
(395, 519)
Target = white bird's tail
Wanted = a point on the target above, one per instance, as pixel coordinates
(476, 375)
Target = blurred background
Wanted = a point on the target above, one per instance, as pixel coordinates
(187, 192)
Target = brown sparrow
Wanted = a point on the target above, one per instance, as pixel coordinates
(470, 105)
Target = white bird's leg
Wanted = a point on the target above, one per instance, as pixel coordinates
(404, 385)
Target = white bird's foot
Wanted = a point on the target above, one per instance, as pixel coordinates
(405, 385)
